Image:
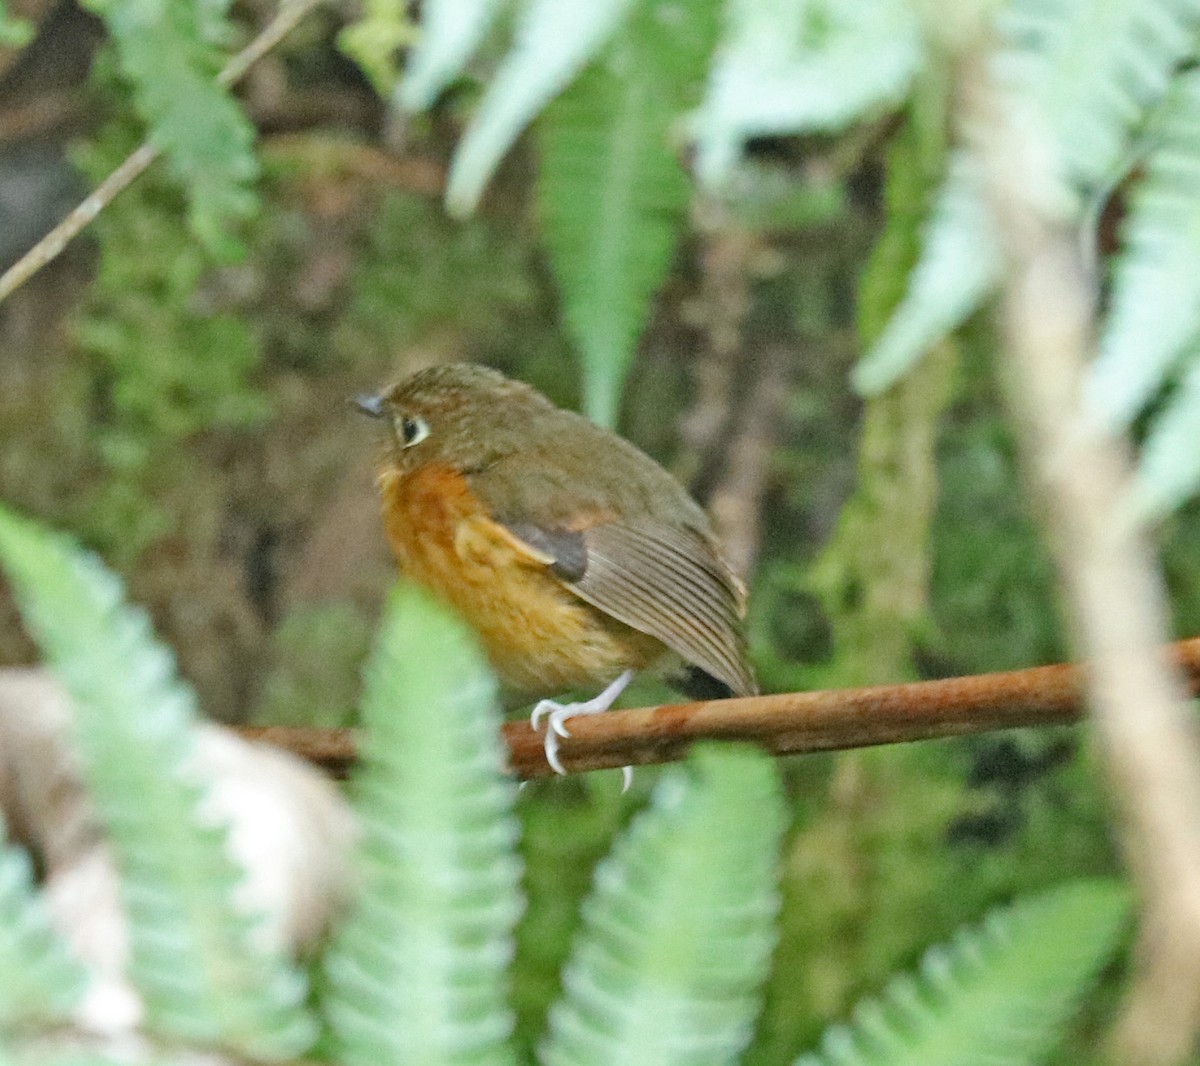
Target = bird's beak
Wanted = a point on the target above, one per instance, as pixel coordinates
(370, 404)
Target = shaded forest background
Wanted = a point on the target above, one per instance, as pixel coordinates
(187, 419)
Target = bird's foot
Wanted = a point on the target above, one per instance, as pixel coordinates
(556, 715)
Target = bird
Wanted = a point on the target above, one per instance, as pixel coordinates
(574, 556)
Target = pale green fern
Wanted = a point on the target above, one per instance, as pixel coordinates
(1169, 470)
(552, 42)
(417, 972)
(679, 926)
(792, 66)
(40, 983)
(1081, 74)
(612, 194)
(1090, 71)
(450, 32)
(996, 995)
(1155, 307)
(194, 958)
(958, 266)
(170, 53)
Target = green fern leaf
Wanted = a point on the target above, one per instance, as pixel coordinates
(1169, 469)
(553, 41)
(996, 995)
(679, 926)
(194, 957)
(959, 266)
(417, 973)
(612, 194)
(168, 53)
(40, 982)
(793, 66)
(450, 32)
(1090, 71)
(1155, 307)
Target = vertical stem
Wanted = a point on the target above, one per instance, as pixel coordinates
(1113, 595)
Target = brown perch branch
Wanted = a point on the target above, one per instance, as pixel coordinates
(789, 724)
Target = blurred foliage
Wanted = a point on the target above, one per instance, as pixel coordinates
(190, 422)
(676, 930)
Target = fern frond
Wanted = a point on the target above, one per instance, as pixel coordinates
(996, 995)
(1155, 308)
(194, 958)
(40, 982)
(450, 32)
(552, 42)
(417, 971)
(679, 926)
(959, 266)
(169, 53)
(1169, 467)
(1091, 71)
(792, 66)
(612, 194)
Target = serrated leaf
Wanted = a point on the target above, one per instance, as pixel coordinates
(450, 32)
(1169, 468)
(552, 43)
(678, 929)
(40, 983)
(194, 959)
(1091, 70)
(959, 266)
(996, 995)
(417, 972)
(611, 192)
(1155, 308)
(793, 66)
(167, 52)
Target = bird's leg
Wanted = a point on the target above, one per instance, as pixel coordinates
(556, 715)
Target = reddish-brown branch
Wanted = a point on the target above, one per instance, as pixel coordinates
(784, 724)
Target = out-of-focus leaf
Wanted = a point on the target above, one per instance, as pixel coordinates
(168, 52)
(194, 958)
(40, 982)
(792, 66)
(1169, 470)
(679, 927)
(612, 194)
(959, 265)
(450, 32)
(552, 42)
(996, 995)
(1090, 71)
(417, 972)
(1155, 307)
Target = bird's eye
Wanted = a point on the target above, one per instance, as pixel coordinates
(411, 430)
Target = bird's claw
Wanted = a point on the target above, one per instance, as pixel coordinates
(556, 715)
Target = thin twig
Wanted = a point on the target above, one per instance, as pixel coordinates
(1113, 595)
(788, 724)
(50, 246)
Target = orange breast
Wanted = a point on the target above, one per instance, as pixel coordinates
(540, 637)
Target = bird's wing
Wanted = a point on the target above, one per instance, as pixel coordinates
(667, 582)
